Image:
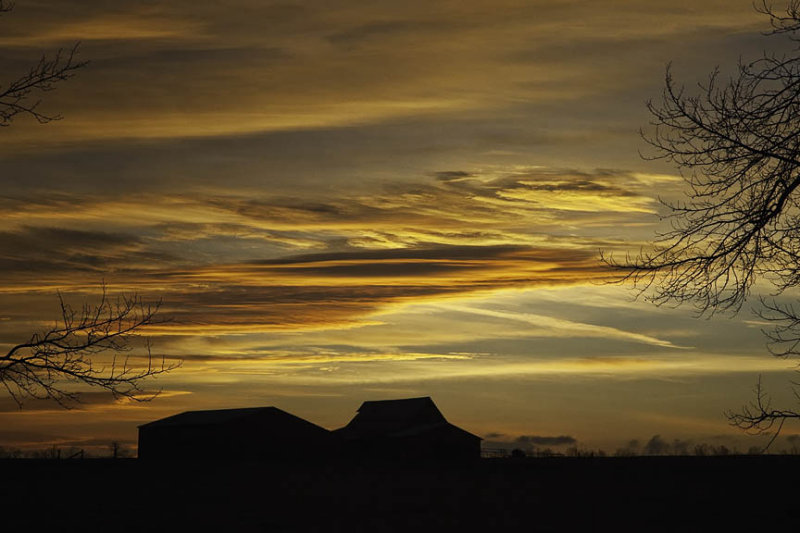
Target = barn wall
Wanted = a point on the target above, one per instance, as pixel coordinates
(271, 438)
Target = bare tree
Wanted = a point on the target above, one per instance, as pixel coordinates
(737, 143)
(92, 346)
(87, 347)
(20, 96)
(760, 417)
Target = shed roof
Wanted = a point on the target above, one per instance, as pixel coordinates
(222, 416)
(397, 418)
(397, 413)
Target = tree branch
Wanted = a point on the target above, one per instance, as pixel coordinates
(737, 145)
(17, 97)
(87, 347)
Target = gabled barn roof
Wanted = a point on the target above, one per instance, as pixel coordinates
(396, 414)
(396, 418)
(224, 416)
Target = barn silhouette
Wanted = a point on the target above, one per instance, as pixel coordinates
(411, 429)
(256, 433)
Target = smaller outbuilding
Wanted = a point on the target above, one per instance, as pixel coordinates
(257, 433)
(411, 429)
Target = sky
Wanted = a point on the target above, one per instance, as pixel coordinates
(347, 201)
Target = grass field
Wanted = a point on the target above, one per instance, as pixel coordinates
(735, 493)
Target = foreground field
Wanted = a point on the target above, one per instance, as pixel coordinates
(547, 494)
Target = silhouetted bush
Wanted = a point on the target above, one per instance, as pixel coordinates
(10, 453)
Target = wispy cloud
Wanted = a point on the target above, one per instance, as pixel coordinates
(557, 326)
(229, 264)
(390, 61)
(113, 27)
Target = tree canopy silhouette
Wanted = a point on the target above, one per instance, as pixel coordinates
(737, 143)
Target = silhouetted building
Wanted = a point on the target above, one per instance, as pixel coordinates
(257, 433)
(411, 429)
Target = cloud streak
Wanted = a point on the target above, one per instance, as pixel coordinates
(390, 61)
(564, 327)
(233, 264)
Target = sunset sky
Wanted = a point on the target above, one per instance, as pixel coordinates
(347, 201)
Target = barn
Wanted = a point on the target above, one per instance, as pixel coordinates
(411, 429)
(256, 433)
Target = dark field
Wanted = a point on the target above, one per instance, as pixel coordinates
(544, 494)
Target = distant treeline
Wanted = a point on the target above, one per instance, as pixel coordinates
(655, 446)
(114, 450)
